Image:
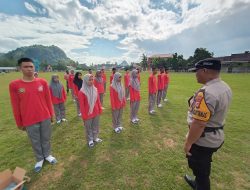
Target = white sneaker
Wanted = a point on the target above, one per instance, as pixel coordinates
(91, 144)
(59, 121)
(51, 159)
(103, 108)
(151, 112)
(128, 99)
(98, 140)
(64, 120)
(117, 130)
(38, 166)
(79, 114)
(165, 100)
(121, 128)
(134, 121)
(159, 106)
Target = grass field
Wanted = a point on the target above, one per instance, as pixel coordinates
(144, 156)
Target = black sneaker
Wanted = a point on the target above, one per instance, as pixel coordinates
(190, 181)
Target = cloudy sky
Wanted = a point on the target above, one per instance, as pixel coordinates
(96, 31)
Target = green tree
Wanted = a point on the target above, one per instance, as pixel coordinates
(201, 53)
(144, 62)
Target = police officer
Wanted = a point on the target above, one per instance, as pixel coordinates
(206, 117)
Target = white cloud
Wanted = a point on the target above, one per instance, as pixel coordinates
(70, 25)
(30, 7)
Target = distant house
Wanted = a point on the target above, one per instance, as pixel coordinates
(236, 63)
(164, 56)
(7, 69)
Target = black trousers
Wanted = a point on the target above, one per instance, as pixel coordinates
(200, 163)
(67, 86)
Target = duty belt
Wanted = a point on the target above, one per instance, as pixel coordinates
(211, 129)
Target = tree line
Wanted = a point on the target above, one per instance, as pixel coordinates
(177, 62)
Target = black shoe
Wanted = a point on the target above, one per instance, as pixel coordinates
(190, 181)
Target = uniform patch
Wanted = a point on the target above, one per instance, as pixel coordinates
(200, 111)
(21, 90)
(40, 88)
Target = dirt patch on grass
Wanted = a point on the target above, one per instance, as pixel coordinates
(169, 143)
(54, 174)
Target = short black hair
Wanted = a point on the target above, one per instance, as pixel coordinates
(113, 69)
(153, 68)
(24, 59)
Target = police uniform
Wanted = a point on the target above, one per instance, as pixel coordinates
(209, 104)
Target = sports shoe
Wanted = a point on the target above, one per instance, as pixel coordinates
(98, 140)
(165, 100)
(117, 130)
(159, 106)
(91, 144)
(190, 181)
(59, 121)
(51, 159)
(64, 120)
(38, 166)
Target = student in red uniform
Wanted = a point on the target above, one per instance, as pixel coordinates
(134, 96)
(152, 89)
(70, 81)
(160, 87)
(166, 82)
(58, 97)
(104, 78)
(91, 110)
(118, 101)
(98, 82)
(112, 75)
(77, 85)
(66, 78)
(139, 77)
(36, 74)
(126, 84)
(33, 111)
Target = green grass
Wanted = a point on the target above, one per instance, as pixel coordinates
(145, 156)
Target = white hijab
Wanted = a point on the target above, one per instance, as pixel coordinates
(134, 82)
(118, 86)
(90, 92)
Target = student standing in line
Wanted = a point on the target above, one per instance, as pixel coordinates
(112, 75)
(77, 85)
(138, 75)
(66, 78)
(152, 89)
(126, 84)
(166, 83)
(134, 96)
(58, 97)
(71, 84)
(104, 78)
(118, 101)
(98, 83)
(160, 87)
(33, 111)
(91, 110)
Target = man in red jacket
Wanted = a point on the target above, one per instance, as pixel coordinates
(33, 112)
(152, 90)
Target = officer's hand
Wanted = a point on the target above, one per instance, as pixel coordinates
(187, 148)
